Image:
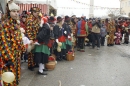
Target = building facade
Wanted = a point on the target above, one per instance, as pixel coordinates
(2, 5)
(125, 7)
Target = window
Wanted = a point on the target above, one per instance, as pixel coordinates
(122, 5)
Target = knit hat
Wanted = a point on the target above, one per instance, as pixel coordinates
(12, 5)
(67, 18)
(35, 9)
(24, 16)
(24, 12)
(59, 19)
(51, 20)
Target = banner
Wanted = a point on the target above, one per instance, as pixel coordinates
(93, 5)
(94, 8)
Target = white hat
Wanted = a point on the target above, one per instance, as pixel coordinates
(13, 6)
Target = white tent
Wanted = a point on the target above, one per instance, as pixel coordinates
(104, 17)
(125, 16)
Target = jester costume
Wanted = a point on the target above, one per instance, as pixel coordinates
(32, 26)
(111, 32)
(11, 47)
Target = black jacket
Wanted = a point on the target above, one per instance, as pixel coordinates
(67, 28)
(96, 23)
(43, 35)
(58, 32)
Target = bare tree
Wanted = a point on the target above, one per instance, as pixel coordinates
(113, 13)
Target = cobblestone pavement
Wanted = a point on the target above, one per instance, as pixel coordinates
(109, 66)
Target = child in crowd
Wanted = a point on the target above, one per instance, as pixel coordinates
(103, 34)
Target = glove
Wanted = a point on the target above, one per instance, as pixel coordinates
(71, 34)
(36, 43)
(65, 32)
(69, 37)
(57, 40)
(9, 63)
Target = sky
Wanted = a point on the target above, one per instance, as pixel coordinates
(85, 12)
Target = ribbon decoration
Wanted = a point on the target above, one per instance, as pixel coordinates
(93, 5)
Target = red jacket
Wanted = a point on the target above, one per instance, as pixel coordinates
(81, 28)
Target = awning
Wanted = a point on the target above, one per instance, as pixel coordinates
(27, 7)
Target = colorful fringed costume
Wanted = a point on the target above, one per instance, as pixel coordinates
(32, 26)
(11, 47)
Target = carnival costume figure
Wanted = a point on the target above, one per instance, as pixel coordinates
(118, 37)
(41, 50)
(67, 27)
(11, 45)
(32, 27)
(60, 39)
(111, 33)
(81, 34)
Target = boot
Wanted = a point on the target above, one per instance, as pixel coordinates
(43, 73)
(31, 68)
(58, 59)
(64, 57)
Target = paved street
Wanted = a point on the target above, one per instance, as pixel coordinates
(109, 66)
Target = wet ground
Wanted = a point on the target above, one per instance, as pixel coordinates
(109, 66)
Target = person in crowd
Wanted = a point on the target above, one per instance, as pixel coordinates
(89, 32)
(73, 28)
(0, 16)
(11, 43)
(103, 33)
(81, 34)
(41, 50)
(23, 21)
(51, 22)
(67, 27)
(111, 33)
(118, 37)
(126, 36)
(32, 26)
(60, 37)
(96, 34)
(22, 25)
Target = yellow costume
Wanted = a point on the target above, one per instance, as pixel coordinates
(111, 31)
